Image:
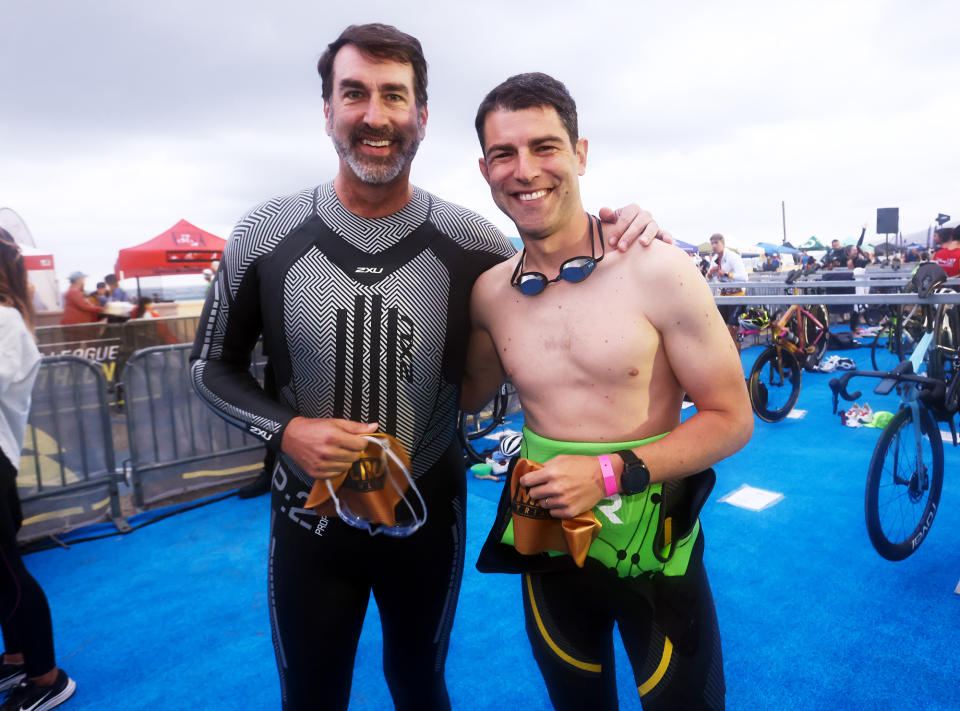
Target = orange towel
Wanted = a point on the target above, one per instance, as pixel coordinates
(364, 488)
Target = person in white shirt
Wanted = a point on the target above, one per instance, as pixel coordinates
(726, 265)
(28, 667)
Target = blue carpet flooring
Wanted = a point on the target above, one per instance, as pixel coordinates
(174, 615)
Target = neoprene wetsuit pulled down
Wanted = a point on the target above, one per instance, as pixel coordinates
(663, 610)
(363, 319)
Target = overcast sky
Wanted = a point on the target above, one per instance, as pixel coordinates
(121, 118)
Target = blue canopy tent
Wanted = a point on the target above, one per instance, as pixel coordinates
(685, 246)
(776, 248)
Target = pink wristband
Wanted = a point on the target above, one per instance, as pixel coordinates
(609, 480)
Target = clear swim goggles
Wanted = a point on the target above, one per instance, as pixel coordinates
(574, 270)
(387, 458)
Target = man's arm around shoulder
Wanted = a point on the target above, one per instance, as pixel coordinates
(483, 373)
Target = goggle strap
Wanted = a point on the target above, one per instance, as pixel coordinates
(417, 522)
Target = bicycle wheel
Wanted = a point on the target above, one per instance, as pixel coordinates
(816, 336)
(774, 384)
(903, 484)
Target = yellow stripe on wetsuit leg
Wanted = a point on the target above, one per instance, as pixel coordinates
(586, 666)
(657, 675)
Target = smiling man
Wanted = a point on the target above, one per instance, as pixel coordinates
(359, 289)
(601, 388)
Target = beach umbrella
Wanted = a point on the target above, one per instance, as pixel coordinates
(812, 243)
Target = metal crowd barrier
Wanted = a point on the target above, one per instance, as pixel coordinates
(67, 476)
(173, 436)
(876, 288)
(110, 344)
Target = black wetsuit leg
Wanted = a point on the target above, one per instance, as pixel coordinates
(417, 591)
(686, 672)
(571, 632)
(570, 617)
(24, 612)
(321, 574)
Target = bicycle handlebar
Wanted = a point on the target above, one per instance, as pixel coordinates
(801, 272)
(903, 373)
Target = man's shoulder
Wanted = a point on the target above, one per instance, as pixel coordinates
(266, 224)
(660, 268)
(276, 212)
(468, 229)
(493, 284)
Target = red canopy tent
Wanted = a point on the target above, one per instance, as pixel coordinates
(182, 249)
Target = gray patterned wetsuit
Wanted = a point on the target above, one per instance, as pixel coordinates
(366, 320)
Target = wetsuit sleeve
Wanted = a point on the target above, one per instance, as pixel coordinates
(230, 326)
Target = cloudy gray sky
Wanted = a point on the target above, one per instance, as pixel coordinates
(121, 118)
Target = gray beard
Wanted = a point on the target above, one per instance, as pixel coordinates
(373, 171)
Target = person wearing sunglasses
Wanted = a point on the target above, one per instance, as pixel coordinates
(358, 288)
(601, 349)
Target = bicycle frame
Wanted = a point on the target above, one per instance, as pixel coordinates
(798, 314)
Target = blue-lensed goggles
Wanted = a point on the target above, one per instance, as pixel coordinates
(573, 270)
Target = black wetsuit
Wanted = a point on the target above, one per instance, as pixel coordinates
(365, 320)
(668, 626)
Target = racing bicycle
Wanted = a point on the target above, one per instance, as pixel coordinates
(905, 476)
(800, 338)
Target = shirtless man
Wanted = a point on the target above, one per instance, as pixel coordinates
(601, 361)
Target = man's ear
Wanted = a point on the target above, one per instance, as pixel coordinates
(423, 113)
(328, 122)
(581, 151)
(482, 162)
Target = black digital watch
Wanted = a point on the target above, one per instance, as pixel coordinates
(636, 476)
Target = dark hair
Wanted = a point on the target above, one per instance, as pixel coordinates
(530, 91)
(110, 278)
(381, 42)
(13, 279)
(141, 308)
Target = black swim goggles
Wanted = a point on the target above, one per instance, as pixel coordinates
(574, 270)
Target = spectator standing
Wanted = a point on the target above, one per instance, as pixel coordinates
(727, 265)
(836, 257)
(948, 251)
(102, 294)
(116, 291)
(28, 665)
(144, 309)
(77, 307)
